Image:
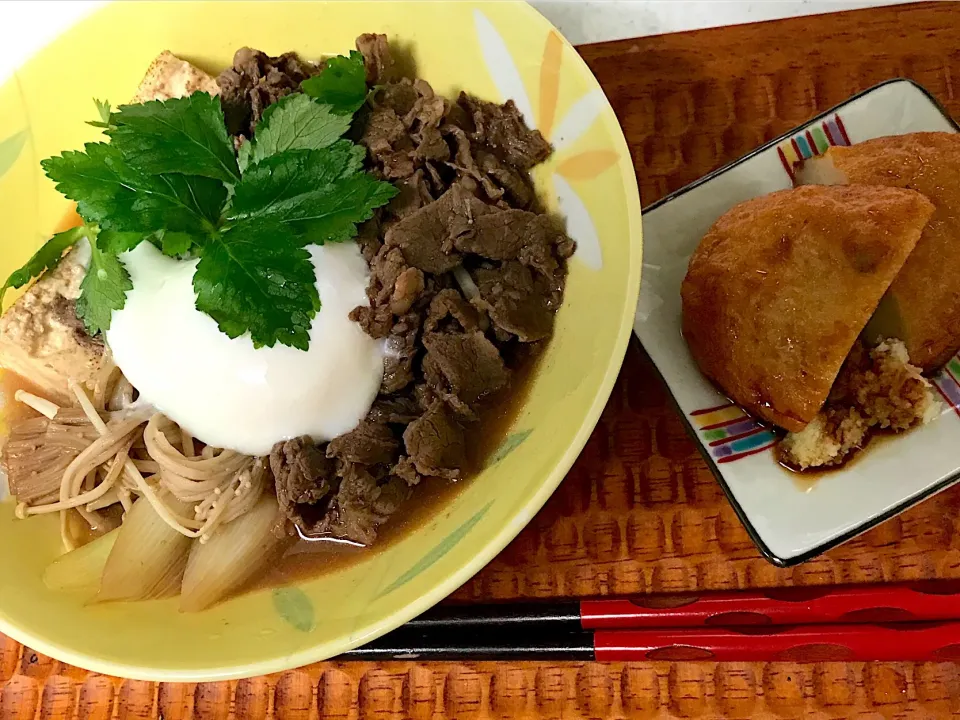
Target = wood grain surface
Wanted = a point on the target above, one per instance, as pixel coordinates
(639, 512)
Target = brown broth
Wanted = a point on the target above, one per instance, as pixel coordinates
(311, 558)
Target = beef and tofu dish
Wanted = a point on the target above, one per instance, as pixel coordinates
(823, 309)
(290, 299)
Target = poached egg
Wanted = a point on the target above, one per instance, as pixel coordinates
(224, 391)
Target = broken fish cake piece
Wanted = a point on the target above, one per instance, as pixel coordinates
(922, 306)
(781, 286)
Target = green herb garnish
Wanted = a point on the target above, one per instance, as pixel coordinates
(342, 84)
(169, 175)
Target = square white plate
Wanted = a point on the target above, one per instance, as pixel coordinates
(790, 519)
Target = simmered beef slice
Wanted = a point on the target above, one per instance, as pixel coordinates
(387, 141)
(435, 443)
(512, 234)
(304, 477)
(376, 57)
(449, 304)
(518, 300)
(469, 363)
(519, 191)
(427, 236)
(255, 81)
(503, 130)
(361, 505)
(370, 443)
(401, 351)
(394, 410)
(413, 193)
(496, 178)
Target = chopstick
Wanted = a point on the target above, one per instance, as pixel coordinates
(910, 622)
(916, 642)
(904, 602)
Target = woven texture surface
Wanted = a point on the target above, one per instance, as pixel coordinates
(639, 512)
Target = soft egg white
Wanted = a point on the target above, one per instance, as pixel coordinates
(229, 394)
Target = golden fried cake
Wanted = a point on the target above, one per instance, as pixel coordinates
(780, 287)
(922, 306)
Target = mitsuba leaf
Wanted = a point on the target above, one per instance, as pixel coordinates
(256, 277)
(46, 258)
(103, 289)
(296, 122)
(182, 135)
(114, 195)
(103, 110)
(342, 84)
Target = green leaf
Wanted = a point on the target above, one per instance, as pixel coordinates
(257, 278)
(441, 549)
(103, 110)
(175, 243)
(115, 196)
(266, 188)
(296, 122)
(342, 84)
(10, 150)
(46, 258)
(182, 135)
(103, 289)
(294, 606)
(116, 242)
(319, 212)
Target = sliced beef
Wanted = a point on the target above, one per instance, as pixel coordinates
(503, 130)
(400, 96)
(449, 304)
(470, 365)
(376, 57)
(413, 194)
(368, 238)
(361, 505)
(370, 443)
(518, 300)
(435, 443)
(432, 146)
(304, 477)
(394, 410)
(401, 352)
(513, 185)
(256, 81)
(427, 237)
(406, 470)
(385, 136)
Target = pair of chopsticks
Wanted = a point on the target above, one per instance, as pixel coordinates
(895, 622)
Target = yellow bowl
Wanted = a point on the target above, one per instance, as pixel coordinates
(495, 50)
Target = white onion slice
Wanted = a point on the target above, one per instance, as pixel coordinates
(235, 553)
(80, 570)
(148, 559)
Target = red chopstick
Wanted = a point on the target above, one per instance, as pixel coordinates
(916, 642)
(849, 604)
(905, 622)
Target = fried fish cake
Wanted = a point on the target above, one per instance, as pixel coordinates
(781, 286)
